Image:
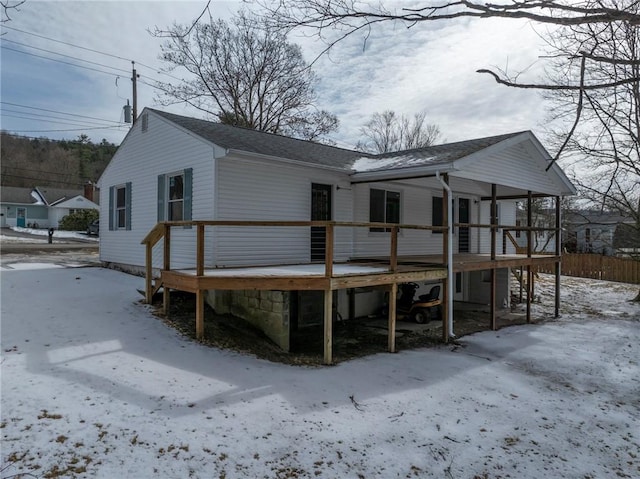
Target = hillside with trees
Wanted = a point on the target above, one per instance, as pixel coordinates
(29, 162)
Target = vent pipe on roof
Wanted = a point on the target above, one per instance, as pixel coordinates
(449, 253)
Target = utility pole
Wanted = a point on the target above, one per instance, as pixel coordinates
(135, 92)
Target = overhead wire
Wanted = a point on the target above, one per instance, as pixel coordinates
(59, 61)
(64, 55)
(51, 119)
(57, 111)
(160, 72)
(70, 183)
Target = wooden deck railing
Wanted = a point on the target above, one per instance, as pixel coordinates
(162, 230)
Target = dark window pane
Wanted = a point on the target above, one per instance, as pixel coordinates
(121, 218)
(176, 187)
(393, 207)
(436, 212)
(120, 198)
(175, 211)
(376, 208)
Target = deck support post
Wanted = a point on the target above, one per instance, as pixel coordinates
(529, 292)
(166, 300)
(492, 302)
(328, 326)
(393, 293)
(558, 256)
(200, 314)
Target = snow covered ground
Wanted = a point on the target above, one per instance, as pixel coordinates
(44, 233)
(93, 385)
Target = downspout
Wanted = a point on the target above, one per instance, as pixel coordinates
(449, 253)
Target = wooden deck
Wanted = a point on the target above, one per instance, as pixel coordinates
(383, 271)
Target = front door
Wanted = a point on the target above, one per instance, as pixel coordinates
(320, 211)
(463, 231)
(21, 217)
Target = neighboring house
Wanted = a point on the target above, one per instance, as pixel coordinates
(542, 241)
(593, 231)
(41, 207)
(626, 240)
(171, 167)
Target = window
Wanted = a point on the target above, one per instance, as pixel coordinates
(518, 232)
(384, 207)
(175, 207)
(437, 217)
(120, 207)
(174, 196)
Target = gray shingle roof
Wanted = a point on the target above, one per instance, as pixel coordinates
(253, 141)
(15, 194)
(232, 137)
(55, 195)
(431, 155)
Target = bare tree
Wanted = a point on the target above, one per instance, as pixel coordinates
(7, 6)
(599, 84)
(604, 146)
(388, 131)
(244, 74)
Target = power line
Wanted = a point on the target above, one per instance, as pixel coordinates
(66, 56)
(40, 179)
(94, 51)
(49, 119)
(70, 129)
(35, 171)
(59, 61)
(68, 43)
(57, 111)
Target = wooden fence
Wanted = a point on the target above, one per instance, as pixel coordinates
(609, 268)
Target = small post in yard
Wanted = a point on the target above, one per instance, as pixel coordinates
(51, 230)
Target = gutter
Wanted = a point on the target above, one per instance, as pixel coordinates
(449, 254)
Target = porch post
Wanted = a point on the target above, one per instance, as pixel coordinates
(529, 247)
(393, 293)
(148, 274)
(445, 255)
(167, 267)
(328, 326)
(494, 223)
(558, 255)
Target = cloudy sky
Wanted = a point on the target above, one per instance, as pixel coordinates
(66, 69)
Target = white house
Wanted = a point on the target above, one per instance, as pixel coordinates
(42, 206)
(171, 168)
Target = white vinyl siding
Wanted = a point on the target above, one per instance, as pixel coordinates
(140, 159)
(272, 191)
(515, 167)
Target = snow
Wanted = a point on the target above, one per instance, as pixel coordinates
(94, 385)
(45, 232)
(291, 270)
(365, 164)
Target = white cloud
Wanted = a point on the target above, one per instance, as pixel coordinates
(430, 66)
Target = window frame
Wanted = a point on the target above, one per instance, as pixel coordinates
(171, 201)
(120, 213)
(163, 190)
